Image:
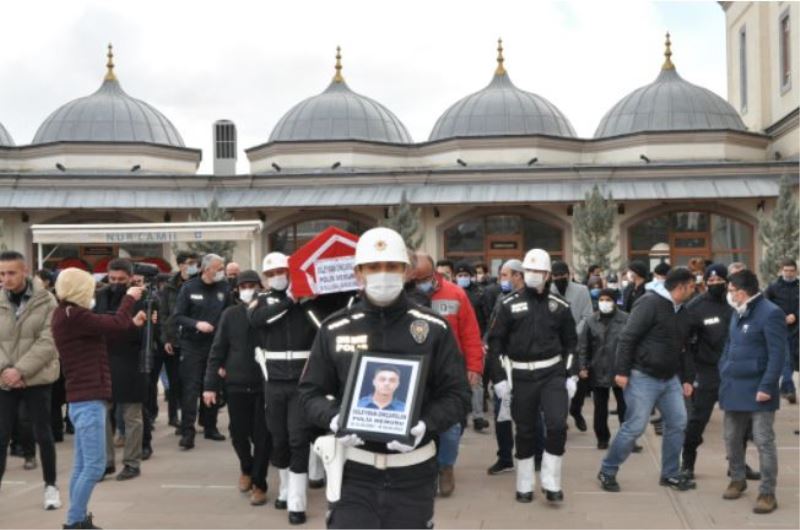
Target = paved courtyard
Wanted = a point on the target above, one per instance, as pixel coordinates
(197, 490)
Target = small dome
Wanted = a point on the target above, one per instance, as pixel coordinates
(501, 109)
(669, 103)
(5, 138)
(108, 115)
(338, 113)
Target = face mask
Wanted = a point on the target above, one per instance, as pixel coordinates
(425, 287)
(463, 282)
(246, 295)
(698, 278)
(383, 288)
(191, 270)
(595, 293)
(631, 276)
(731, 301)
(613, 285)
(717, 290)
(561, 285)
(92, 304)
(605, 306)
(279, 283)
(625, 283)
(219, 276)
(505, 286)
(117, 288)
(534, 280)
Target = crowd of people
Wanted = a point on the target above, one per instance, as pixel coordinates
(526, 347)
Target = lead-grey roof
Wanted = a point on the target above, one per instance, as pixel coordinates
(338, 113)
(669, 103)
(108, 115)
(5, 138)
(501, 109)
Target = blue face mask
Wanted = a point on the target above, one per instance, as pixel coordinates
(505, 286)
(463, 281)
(595, 293)
(425, 287)
(191, 270)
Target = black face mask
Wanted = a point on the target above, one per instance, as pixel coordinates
(718, 290)
(561, 285)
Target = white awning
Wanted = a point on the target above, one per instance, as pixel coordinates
(146, 233)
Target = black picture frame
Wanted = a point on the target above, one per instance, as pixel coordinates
(361, 416)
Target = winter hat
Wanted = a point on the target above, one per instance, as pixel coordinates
(639, 268)
(610, 293)
(560, 268)
(463, 266)
(75, 286)
(717, 269)
(249, 276)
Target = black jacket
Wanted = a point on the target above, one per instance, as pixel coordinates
(710, 320)
(281, 325)
(529, 326)
(168, 297)
(475, 293)
(127, 380)
(200, 302)
(403, 327)
(630, 294)
(653, 340)
(786, 295)
(597, 346)
(233, 349)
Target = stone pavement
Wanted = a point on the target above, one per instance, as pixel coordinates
(197, 489)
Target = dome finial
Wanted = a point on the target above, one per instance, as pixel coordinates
(667, 55)
(337, 78)
(500, 68)
(110, 64)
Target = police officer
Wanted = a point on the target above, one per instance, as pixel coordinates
(536, 331)
(385, 485)
(286, 326)
(198, 308)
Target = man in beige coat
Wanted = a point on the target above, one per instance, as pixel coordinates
(28, 363)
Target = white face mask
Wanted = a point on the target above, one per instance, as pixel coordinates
(383, 288)
(625, 283)
(534, 280)
(279, 283)
(631, 276)
(92, 304)
(605, 306)
(219, 276)
(734, 304)
(246, 295)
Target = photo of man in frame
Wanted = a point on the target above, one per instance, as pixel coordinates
(380, 392)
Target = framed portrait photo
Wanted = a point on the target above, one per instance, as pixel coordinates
(383, 396)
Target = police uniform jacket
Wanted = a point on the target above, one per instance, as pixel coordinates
(531, 326)
(710, 319)
(284, 325)
(402, 327)
(200, 302)
(233, 349)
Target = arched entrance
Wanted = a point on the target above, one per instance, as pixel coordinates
(293, 235)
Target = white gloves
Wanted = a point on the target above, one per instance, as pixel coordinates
(502, 389)
(348, 440)
(504, 414)
(572, 386)
(418, 431)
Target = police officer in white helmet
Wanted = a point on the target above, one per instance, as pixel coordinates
(385, 485)
(534, 332)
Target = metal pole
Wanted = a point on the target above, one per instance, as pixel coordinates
(253, 254)
(41, 258)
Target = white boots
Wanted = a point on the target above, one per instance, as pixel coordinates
(551, 477)
(298, 484)
(526, 480)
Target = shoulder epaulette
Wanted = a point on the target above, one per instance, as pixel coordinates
(559, 300)
(425, 316)
(510, 298)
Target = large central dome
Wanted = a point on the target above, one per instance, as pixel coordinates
(669, 103)
(501, 109)
(338, 113)
(108, 115)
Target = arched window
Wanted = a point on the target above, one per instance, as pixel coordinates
(681, 236)
(494, 239)
(293, 236)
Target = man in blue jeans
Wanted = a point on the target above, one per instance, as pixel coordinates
(651, 363)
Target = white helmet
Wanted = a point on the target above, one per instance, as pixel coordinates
(537, 260)
(379, 245)
(274, 260)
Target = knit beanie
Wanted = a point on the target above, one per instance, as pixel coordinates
(75, 286)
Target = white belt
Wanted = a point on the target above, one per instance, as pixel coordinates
(536, 365)
(286, 355)
(384, 461)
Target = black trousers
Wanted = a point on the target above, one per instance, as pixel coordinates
(173, 394)
(192, 370)
(601, 396)
(704, 398)
(549, 392)
(392, 498)
(22, 432)
(576, 405)
(37, 402)
(249, 435)
(58, 398)
(504, 433)
(291, 433)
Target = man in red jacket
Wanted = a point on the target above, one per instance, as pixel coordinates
(452, 303)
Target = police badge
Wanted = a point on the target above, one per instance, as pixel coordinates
(419, 331)
(552, 305)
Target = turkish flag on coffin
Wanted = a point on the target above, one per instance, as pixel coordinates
(325, 264)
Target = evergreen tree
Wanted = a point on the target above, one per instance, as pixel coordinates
(212, 213)
(594, 237)
(404, 219)
(779, 234)
(2, 240)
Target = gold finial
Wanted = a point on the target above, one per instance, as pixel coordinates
(337, 78)
(500, 68)
(667, 55)
(110, 64)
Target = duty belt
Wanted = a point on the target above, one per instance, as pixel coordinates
(536, 365)
(288, 355)
(386, 461)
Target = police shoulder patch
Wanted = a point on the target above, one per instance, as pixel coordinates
(220, 296)
(552, 306)
(510, 298)
(419, 330)
(336, 324)
(425, 316)
(557, 300)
